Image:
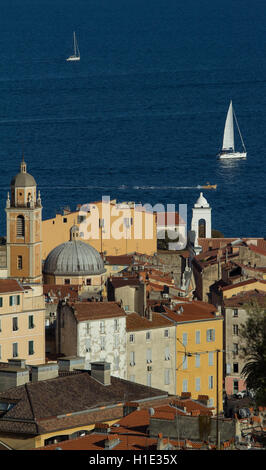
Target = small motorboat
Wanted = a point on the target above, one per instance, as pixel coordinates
(209, 186)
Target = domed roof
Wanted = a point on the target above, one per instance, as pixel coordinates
(202, 202)
(74, 258)
(23, 180)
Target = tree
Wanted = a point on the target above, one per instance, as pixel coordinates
(253, 349)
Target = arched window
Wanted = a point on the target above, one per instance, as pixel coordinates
(202, 228)
(20, 226)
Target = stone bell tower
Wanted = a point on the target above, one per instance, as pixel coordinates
(23, 225)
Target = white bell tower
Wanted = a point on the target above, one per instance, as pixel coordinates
(201, 212)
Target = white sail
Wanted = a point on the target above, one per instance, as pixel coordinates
(76, 55)
(228, 141)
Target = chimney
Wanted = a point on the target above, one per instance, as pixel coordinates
(100, 371)
(160, 444)
(44, 371)
(111, 441)
(204, 399)
(12, 376)
(68, 364)
(102, 428)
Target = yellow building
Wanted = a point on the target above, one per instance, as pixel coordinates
(22, 322)
(111, 228)
(199, 351)
(24, 224)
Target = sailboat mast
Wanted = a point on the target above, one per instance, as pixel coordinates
(75, 47)
(239, 131)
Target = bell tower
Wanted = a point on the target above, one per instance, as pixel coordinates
(23, 227)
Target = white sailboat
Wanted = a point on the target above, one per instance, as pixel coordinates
(228, 149)
(76, 55)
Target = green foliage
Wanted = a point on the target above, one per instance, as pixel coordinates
(253, 350)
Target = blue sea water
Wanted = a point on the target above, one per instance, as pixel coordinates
(141, 116)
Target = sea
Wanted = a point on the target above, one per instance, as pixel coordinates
(141, 116)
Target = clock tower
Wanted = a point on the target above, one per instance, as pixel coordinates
(23, 226)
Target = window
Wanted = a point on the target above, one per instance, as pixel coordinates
(148, 356)
(132, 338)
(235, 330)
(185, 385)
(166, 333)
(149, 379)
(197, 387)
(184, 339)
(197, 360)
(88, 282)
(235, 312)
(167, 377)
(148, 336)
(1, 301)
(167, 354)
(210, 358)
(116, 323)
(210, 335)
(235, 386)
(31, 324)
(228, 368)
(116, 363)
(15, 323)
(67, 281)
(235, 348)
(31, 348)
(81, 218)
(64, 220)
(132, 378)
(20, 226)
(19, 262)
(211, 403)
(185, 362)
(126, 308)
(14, 300)
(198, 337)
(88, 345)
(102, 327)
(88, 328)
(235, 368)
(210, 382)
(102, 343)
(132, 358)
(15, 349)
(116, 341)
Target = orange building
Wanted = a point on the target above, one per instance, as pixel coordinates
(111, 228)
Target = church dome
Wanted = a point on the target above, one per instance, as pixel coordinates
(74, 258)
(202, 202)
(23, 180)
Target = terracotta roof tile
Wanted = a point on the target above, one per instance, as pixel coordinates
(135, 322)
(10, 285)
(96, 310)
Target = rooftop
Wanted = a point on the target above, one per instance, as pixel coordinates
(192, 311)
(10, 285)
(96, 310)
(135, 322)
(69, 400)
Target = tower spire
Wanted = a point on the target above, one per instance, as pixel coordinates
(23, 166)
